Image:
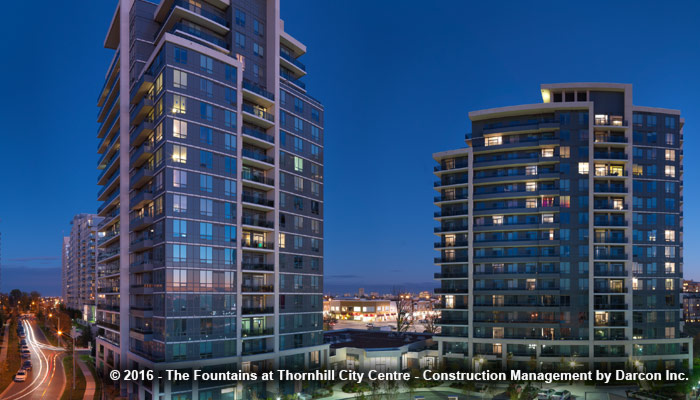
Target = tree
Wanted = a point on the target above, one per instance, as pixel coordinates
(404, 309)
(15, 296)
(85, 337)
(431, 320)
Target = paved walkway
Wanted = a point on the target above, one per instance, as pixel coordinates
(5, 340)
(89, 380)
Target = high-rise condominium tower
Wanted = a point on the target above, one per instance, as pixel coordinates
(79, 273)
(211, 250)
(561, 235)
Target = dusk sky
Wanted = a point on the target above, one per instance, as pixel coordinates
(397, 79)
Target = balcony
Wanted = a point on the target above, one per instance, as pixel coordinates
(112, 166)
(451, 275)
(610, 121)
(448, 260)
(451, 290)
(257, 266)
(452, 166)
(257, 310)
(107, 204)
(451, 228)
(141, 155)
(259, 222)
(292, 64)
(258, 156)
(144, 107)
(107, 151)
(597, 188)
(258, 200)
(456, 243)
(141, 222)
(108, 187)
(614, 139)
(200, 13)
(451, 180)
(261, 180)
(257, 137)
(609, 205)
(257, 288)
(141, 133)
(609, 155)
(610, 306)
(292, 80)
(610, 323)
(454, 322)
(141, 177)
(530, 125)
(257, 115)
(609, 256)
(450, 213)
(450, 198)
(257, 94)
(140, 199)
(258, 245)
(610, 289)
(603, 222)
(257, 332)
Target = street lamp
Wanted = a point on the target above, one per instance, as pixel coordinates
(72, 337)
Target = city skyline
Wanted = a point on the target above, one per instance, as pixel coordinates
(30, 240)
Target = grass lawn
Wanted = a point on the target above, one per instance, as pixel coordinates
(69, 393)
(50, 335)
(14, 359)
(98, 384)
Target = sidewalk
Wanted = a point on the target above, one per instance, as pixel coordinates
(89, 380)
(5, 340)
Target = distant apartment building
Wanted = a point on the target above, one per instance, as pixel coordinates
(560, 234)
(211, 189)
(79, 265)
(691, 286)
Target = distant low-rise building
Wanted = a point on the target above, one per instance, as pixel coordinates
(364, 350)
(691, 307)
(691, 286)
(360, 309)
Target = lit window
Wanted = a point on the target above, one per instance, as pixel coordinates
(179, 129)
(493, 141)
(669, 284)
(548, 219)
(583, 168)
(179, 104)
(565, 201)
(670, 155)
(283, 240)
(564, 152)
(670, 171)
(180, 154)
(601, 119)
(531, 186)
(498, 220)
(670, 236)
(638, 170)
(531, 203)
(547, 153)
(298, 164)
(670, 268)
(531, 170)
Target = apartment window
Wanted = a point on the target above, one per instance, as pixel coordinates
(205, 255)
(564, 152)
(229, 187)
(298, 203)
(206, 87)
(670, 236)
(206, 111)
(179, 129)
(258, 27)
(315, 114)
(179, 79)
(547, 153)
(669, 187)
(230, 95)
(547, 218)
(670, 267)
(493, 141)
(298, 242)
(498, 220)
(282, 240)
(298, 105)
(240, 40)
(298, 164)
(670, 171)
(258, 50)
(240, 18)
(179, 104)
(205, 135)
(180, 55)
(298, 124)
(531, 170)
(180, 154)
(298, 184)
(179, 228)
(230, 165)
(315, 226)
(651, 120)
(583, 168)
(179, 255)
(565, 201)
(298, 222)
(206, 231)
(298, 145)
(531, 203)
(531, 186)
(206, 64)
(231, 73)
(206, 207)
(179, 203)
(179, 179)
(670, 139)
(315, 133)
(670, 155)
(206, 159)
(315, 150)
(206, 183)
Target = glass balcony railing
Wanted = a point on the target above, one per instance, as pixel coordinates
(248, 85)
(293, 60)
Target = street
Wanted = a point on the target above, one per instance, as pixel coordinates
(47, 379)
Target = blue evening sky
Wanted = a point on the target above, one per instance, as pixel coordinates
(397, 79)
